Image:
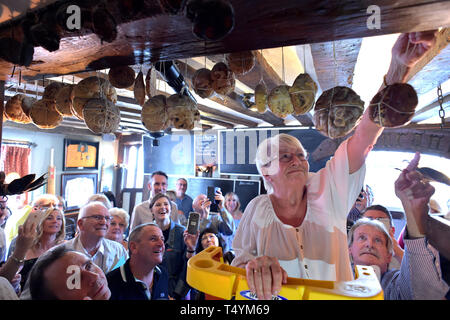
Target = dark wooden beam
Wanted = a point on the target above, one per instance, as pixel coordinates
(211, 121)
(153, 35)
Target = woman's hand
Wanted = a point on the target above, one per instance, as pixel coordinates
(190, 240)
(220, 198)
(265, 277)
(26, 234)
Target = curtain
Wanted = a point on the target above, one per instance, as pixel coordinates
(15, 159)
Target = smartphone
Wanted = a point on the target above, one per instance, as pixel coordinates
(193, 222)
(211, 194)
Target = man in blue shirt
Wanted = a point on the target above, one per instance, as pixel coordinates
(140, 278)
(184, 202)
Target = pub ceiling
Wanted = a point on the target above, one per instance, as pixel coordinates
(338, 43)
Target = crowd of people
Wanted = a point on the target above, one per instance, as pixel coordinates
(308, 225)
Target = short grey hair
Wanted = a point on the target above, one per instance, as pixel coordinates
(102, 198)
(268, 151)
(373, 223)
(120, 213)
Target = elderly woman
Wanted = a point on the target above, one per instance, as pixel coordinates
(179, 246)
(298, 229)
(49, 233)
(118, 226)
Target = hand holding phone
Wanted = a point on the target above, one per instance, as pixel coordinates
(193, 223)
(34, 217)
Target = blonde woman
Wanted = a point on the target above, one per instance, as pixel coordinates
(50, 232)
(118, 226)
(233, 205)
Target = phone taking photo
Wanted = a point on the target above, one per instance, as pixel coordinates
(211, 194)
(34, 217)
(193, 223)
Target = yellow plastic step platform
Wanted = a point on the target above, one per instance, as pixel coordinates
(209, 274)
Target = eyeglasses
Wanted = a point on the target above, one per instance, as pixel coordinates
(99, 217)
(288, 156)
(207, 237)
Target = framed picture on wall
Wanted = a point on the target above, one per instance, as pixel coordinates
(80, 155)
(76, 188)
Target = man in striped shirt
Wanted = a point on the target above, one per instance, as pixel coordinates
(420, 275)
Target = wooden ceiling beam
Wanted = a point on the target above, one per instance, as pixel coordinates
(213, 121)
(432, 110)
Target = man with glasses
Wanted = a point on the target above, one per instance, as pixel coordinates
(184, 201)
(420, 276)
(93, 222)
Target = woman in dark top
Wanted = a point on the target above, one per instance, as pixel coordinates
(50, 232)
(179, 246)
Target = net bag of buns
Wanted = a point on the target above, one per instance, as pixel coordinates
(394, 105)
(44, 114)
(337, 112)
(182, 112)
(18, 108)
(261, 97)
(101, 116)
(121, 77)
(240, 62)
(154, 114)
(303, 94)
(203, 83)
(90, 88)
(64, 100)
(51, 90)
(279, 101)
(223, 78)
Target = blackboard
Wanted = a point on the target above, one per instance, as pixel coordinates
(174, 155)
(245, 189)
(237, 148)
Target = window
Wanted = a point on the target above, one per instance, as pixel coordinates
(134, 161)
(381, 175)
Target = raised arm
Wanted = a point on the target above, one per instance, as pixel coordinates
(406, 52)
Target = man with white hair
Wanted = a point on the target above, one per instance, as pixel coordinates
(93, 222)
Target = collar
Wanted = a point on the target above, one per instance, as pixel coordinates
(126, 273)
(79, 246)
